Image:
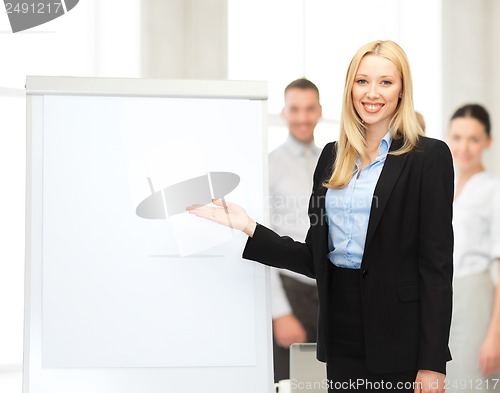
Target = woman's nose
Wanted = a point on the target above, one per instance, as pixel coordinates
(372, 93)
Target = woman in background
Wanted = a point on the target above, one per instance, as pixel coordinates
(475, 330)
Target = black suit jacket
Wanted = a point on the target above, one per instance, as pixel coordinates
(407, 266)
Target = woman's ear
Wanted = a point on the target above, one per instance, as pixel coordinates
(490, 141)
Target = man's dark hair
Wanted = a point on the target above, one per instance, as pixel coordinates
(302, 83)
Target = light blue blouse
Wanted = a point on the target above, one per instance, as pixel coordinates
(348, 211)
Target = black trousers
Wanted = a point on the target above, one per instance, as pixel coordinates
(303, 299)
(346, 366)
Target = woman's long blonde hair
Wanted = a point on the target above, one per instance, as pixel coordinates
(352, 141)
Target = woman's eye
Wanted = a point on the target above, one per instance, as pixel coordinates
(361, 81)
(387, 83)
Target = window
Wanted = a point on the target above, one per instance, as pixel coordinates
(281, 40)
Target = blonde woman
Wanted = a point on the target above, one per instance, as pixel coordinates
(380, 244)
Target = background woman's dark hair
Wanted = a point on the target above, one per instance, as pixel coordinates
(477, 112)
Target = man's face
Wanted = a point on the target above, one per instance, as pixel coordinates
(302, 112)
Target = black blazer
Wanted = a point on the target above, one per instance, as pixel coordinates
(407, 266)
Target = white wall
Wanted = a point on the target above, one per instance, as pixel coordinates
(184, 39)
(471, 62)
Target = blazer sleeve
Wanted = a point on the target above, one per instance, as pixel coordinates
(435, 257)
(267, 247)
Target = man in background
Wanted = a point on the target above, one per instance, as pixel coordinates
(291, 167)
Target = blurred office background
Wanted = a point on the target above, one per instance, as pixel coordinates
(451, 45)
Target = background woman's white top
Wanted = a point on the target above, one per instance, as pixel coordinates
(476, 225)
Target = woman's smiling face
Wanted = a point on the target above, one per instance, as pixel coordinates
(376, 91)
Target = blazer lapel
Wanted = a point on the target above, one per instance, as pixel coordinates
(388, 177)
(319, 212)
(320, 192)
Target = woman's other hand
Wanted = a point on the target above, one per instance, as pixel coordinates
(428, 381)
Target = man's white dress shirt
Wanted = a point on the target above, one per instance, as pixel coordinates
(291, 168)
